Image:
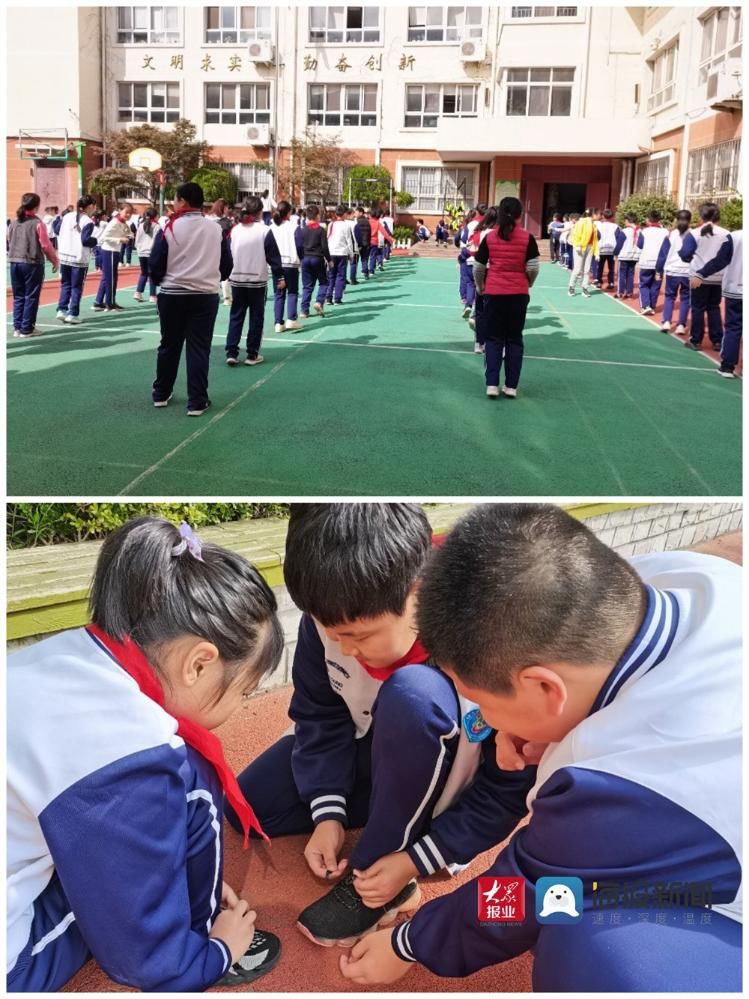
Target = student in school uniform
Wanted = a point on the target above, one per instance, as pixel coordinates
(606, 227)
(698, 248)
(289, 238)
(363, 237)
(568, 256)
(353, 267)
(126, 250)
(341, 246)
(220, 213)
(269, 206)
(728, 261)
(649, 243)
(52, 219)
(188, 259)
(442, 233)
(116, 232)
(144, 237)
(628, 254)
(554, 230)
(676, 272)
(315, 263)
(584, 241)
(100, 224)
(467, 287)
(380, 237)
(75, 243)
(422, 232)
(388, 224)
(28, 245)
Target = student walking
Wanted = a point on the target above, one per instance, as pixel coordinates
(269, 206)
(315, 263)
(729, 260)
(289, 238)
(628, 253)
(584, 242)
(363, 235)
(607, 229)
(144, 237)
(75, 242)
(219, 212)
(554, 231)
(188, 259)
(341, 246)
(698, 248)
(351, 223)
(116, 233)
(649, 243)
(28, 245)
(676, 272)
(379, 237)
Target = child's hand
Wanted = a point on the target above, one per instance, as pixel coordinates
(373, 961)
(322, 849)
(517, 754)
(229, 897)
(695, 283)
(384, 879)
(236, 927)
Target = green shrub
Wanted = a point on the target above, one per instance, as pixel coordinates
(32, 524)
(404, 232)
(732, 214)
(404, 199)
(368, 184)
(217, 182)
(641, 204)
(456, 214)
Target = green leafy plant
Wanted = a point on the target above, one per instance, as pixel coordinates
(404, 199)
(732, 214)
(369, 184)
(401, 232)
(641, 204)
(455, 214)
(112, 183)
(217, 182)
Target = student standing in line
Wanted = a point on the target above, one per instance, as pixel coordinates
(363, 234)
(698, 248)
(729, 260)
(506, 265)
(380, 237)
(219, 212)
(649, 243)
(289, 238)
(628, 253)
(52, 219)
(75, 242)
(466, 287)
(341, 246)
(315, 263)
(269, 206)
(584, 241)
(144, 237)
(388, 224)
(487, 222)
(607, 228)
(188, 259)
(126, 250)
(115, 234)
(554, 230)
(28, 245)
(100, 224)
(351, 223)
(676, 272)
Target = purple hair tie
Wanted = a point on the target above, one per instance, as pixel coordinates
(190, 542)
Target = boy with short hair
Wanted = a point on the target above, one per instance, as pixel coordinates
(649, 243)
(365, 694)
(607, 229)
(628, 253)
(630, 671)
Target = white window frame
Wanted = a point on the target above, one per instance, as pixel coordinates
(442, 90)
(703, 182)
(242, 36)
(666, 94)
(176, 113)
(342, 111)
(241, 115)
(251, 178)
(710, 63)
(475, 31)
(528, 83)
(403, 165)
(149, 31)
(658, 159)
(548, 14)
(348, 36)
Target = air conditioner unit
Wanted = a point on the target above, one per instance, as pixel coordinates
(259, 135)
(472, 50)
(261, 51)
(724, 86)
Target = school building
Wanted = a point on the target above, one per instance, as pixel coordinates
(563, 106)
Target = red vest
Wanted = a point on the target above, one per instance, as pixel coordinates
(506, 274)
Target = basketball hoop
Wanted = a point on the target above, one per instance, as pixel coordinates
(145, 159)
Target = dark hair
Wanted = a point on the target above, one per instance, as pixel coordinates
(219, 206)
(420, 221)
(29, 203)
(489, 220)
(265, 193)
(149, 217)
(654, 215)
(346, 561)
(282, 212)
(252, 207)
(524, 584)
(85, 202)
(608, 213)
(508, 213)
(683, 219)
(481, 208)
(709, 213)
(341, 210)
(557, 216)
(191, 193)
(313, 212)
(142, 589)
(631, 217)
(588, 213)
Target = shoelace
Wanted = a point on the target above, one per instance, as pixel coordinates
(345, 893)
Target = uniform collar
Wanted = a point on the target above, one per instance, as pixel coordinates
(650, 646)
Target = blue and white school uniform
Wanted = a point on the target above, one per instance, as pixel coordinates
(75, 242)
(644, 794)
(554, 230)
(606, 246)
(143, 245)
(111, 244)
(289, 238)
(649, 243)
(253, 249)
(698, 251)
(676, 273)
(467, 285)
(628, 252)
(341, 246)
(729, 260)
(114, 829)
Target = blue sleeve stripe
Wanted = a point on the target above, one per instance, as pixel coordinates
(438, 766)
(428, 865)
(401, 943)
(224, 950)
(203, 795)
(332, 810)
(54, 933)
(432, 847)
(337, 799)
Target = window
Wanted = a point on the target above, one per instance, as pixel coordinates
(148, 26)
(529, 13)
(237, 103)
(342, 104)
(252, 178)
(426, 102)
(335, 25)
(152, 102)
(663, 77)
(539, 92)
(651, 176)
(713, 172)
(230, 25)
(721, 40)
(434, 187)
(444, 24)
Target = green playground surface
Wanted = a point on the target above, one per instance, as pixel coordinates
(382, 397)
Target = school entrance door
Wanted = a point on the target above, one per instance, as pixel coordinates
(575, 187)
(563, 198)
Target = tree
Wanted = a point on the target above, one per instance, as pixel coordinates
(181, 153)
(313, 168)
(732, 214)
(112, 182)
(640, 204)
(404, 199)
(217, 182)
(368, 184)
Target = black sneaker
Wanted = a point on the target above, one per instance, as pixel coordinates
(341, 917)
(198, 412)
(726, 371)
(260, 957)
(116, 308)
(354, 281)
(691, 345)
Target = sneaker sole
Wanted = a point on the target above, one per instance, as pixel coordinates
(235, 981)
(389, 917)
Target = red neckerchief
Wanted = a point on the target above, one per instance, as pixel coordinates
(124, 221)
(653, 225)
(313, 225)
(178, 215)
(131, 658)
(31, 215)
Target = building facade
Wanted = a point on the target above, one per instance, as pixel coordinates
(563, 106)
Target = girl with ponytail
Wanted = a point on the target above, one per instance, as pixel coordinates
(76, 240)
(28, 245)
(144, 238)
(116, 235)
(676, 272)
(505, 267)
(482, 225)
(289, 238)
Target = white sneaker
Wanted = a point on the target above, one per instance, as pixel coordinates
(153, 300)
(228, 301)
(252, 361)
(292, 324)
(25, 336)
(510, 392)
(73, 320)
(665, 327)
(16, 333)
(60, 314)
(163, 403)
(492, 391)
(138, 296)
(279, 328)
(478, 348)
(472, 323)
(466, 311)
(319, 309)
(680, 329)
(232, 361)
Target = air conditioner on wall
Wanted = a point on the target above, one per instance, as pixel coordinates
(472, 50)
(259, 135)
(261, 51)
(724, 86)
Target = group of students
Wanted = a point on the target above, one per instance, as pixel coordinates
(442, 693)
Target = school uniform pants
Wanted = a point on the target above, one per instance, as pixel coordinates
(186, 321)
(676, 285)
(467, 284)
(107, 293)
(478, 311)
(288, 295)
(554, 248)
(501, 330)
(267, 216)
(364, 257)
(72, 280)
(375, 258)
(569, 256)
(729, 351)
(416, 708)
(581, 271)
(145, 277)
(627, 277)
(650, 288)
(314, 271)
(97, 258)
(353, 268)
(337, 279)
(606, 259)
(705, 301)
(126, 253)
(246, 300)
(26, 281)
